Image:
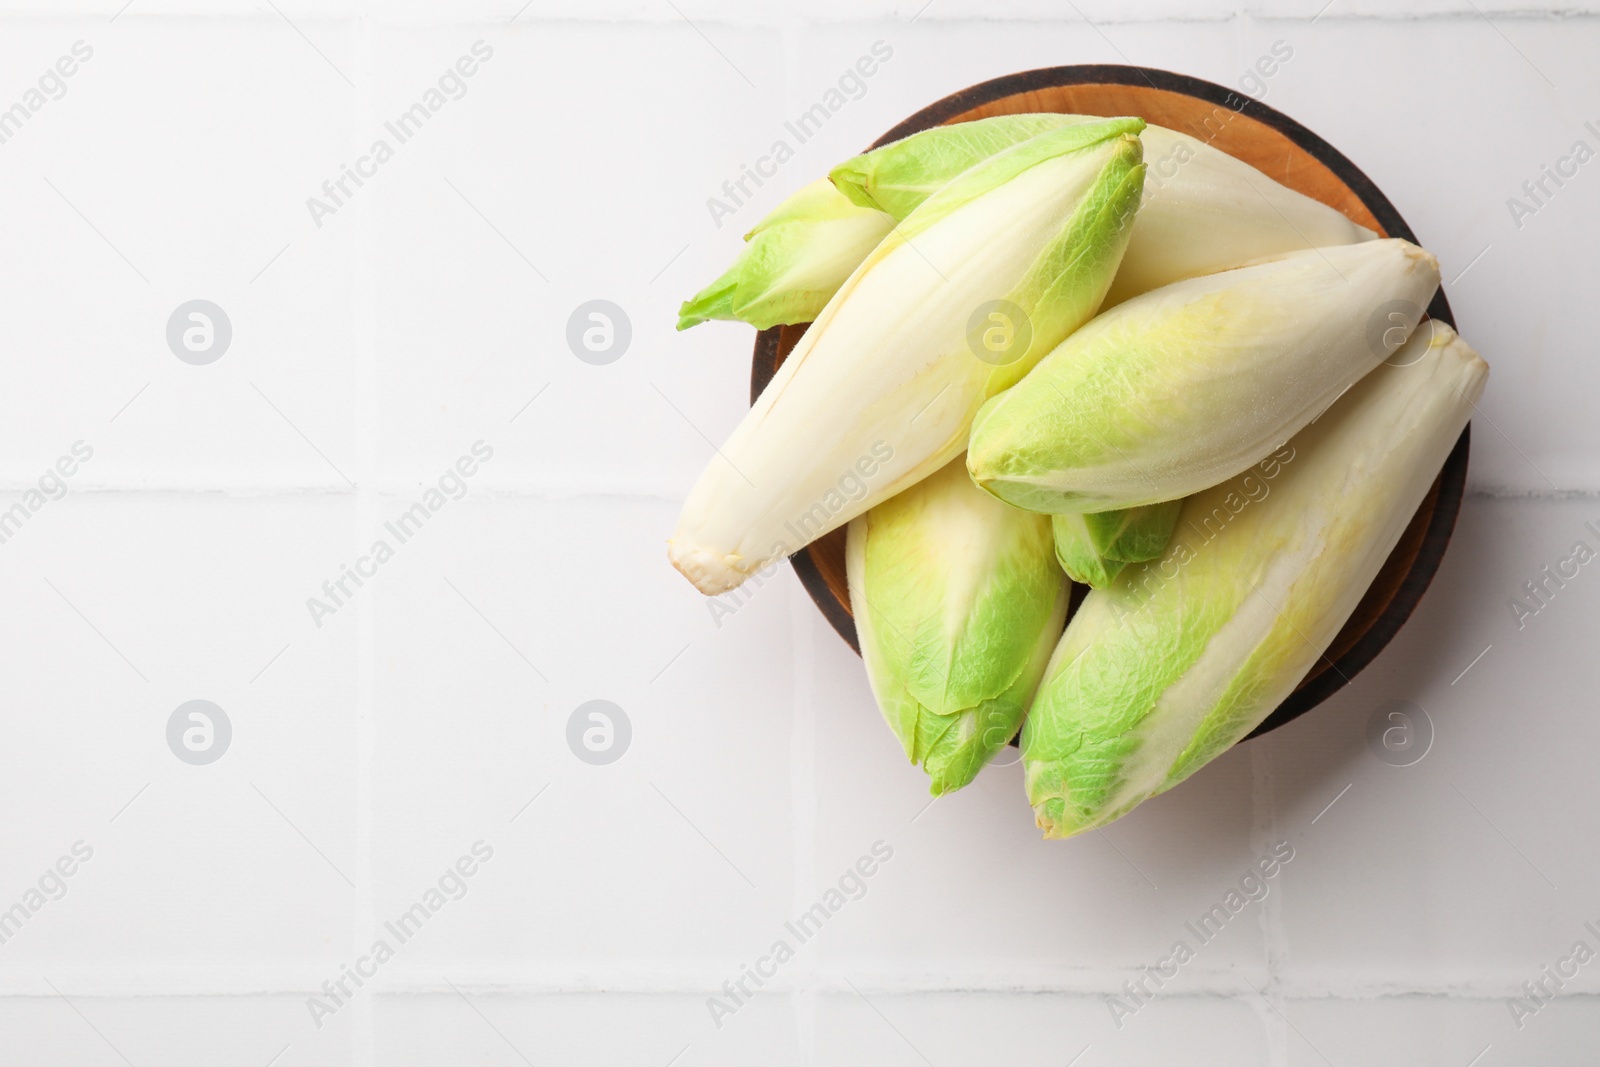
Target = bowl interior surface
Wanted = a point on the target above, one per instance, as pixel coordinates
(1285, 152)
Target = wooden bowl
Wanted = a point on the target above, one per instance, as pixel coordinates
(1283, 150)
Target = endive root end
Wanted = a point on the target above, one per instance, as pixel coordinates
(1422, 255)
(1047, 816)
(708, 572)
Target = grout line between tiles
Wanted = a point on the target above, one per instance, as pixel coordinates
(663, 17)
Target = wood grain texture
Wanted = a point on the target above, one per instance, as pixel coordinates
(1285, 151)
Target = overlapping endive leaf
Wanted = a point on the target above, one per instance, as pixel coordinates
(882, 389)
(1093, 549)
(1178, 389)
(1133, 535)
(1181, 657)
(1203, 211)
(799, 255)
(958, 604)
(1077, 555)
(898, 177)
(793, 262)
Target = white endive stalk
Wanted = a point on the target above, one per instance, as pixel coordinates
(1181, 657)
(958, 603)
(1202, 209)
(1178, 389)
(882, 389)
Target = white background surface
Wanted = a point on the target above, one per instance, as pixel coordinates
(371, 752)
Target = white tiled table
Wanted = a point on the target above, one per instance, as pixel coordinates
(429, 712)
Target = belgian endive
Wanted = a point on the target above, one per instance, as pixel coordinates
(882, 389)
(958, 604)
(1178, 389)
(1183, 656)
(793, 262)
(1202, 209)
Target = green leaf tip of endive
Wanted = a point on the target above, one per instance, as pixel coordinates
(897, 177)
(1133, 535)
(1003, 166)
(793, 262)
(715, 301)
(1093, 549)
(1078, 555)
(1070, 278)
(851, 178)
(958, 605)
